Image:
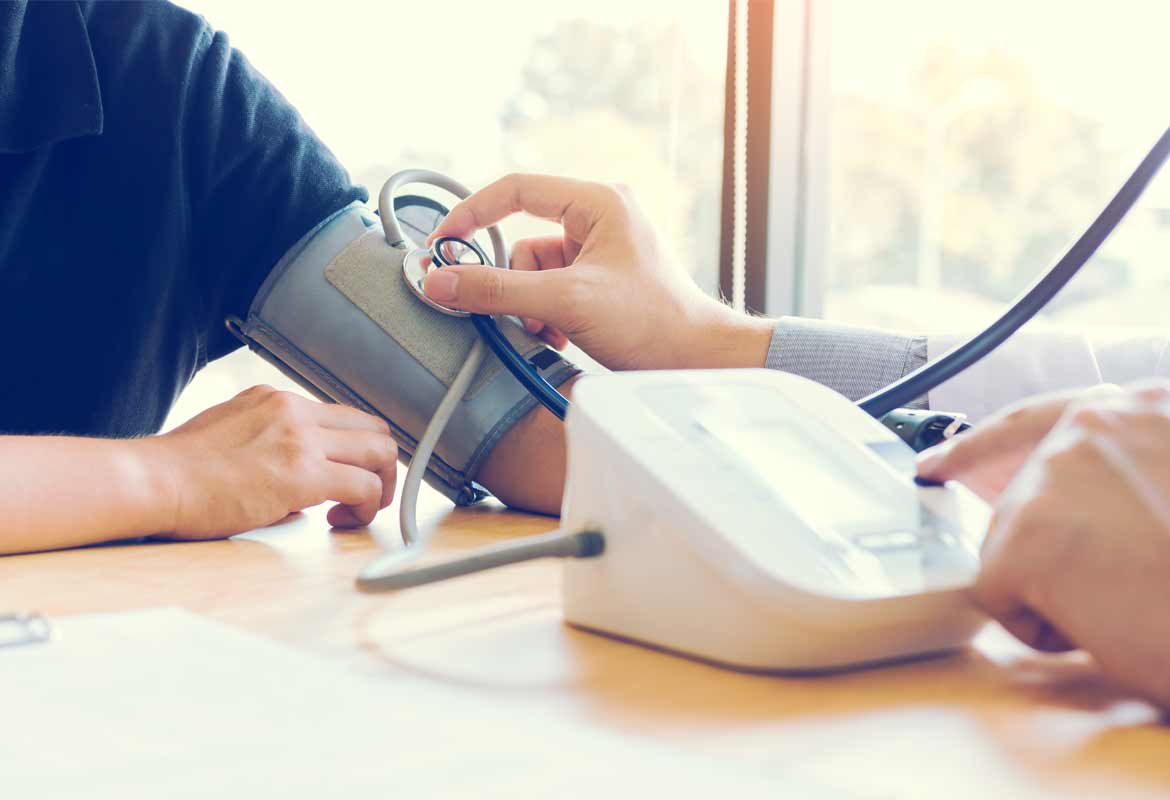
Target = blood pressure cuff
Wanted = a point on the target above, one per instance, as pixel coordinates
(336, 316)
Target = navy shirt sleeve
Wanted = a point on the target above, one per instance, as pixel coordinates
(152, 178)
(257, 179)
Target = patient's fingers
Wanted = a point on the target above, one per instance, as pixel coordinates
(357, 488)
(374, 452)
(341, 417)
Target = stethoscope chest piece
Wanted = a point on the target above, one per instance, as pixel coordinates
(446, 250)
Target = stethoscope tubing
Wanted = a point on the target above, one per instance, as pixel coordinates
(522, 369)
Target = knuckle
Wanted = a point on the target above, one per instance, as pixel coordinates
(295, 453)
(259, 390)
(513, 182)
(283, 404)
(294, 440)
(1017, 415)
(298, 462)
(376, 452)
(369, 487)
(623, 189)
(381, 423)
(611, 195)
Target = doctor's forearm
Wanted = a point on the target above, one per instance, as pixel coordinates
(850, 359)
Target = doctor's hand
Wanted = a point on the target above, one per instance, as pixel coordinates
(607, 283)
(1078, 554)
(987, 457)
(264, 454)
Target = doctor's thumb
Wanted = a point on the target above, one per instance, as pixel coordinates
(488, 290)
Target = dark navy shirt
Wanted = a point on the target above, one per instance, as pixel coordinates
(149, 179)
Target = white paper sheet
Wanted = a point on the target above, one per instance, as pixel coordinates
(166, 704)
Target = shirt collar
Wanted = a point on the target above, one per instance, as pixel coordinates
(49, 87)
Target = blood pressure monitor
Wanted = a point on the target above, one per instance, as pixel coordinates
(760, 520)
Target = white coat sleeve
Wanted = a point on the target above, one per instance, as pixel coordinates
(1048, 358)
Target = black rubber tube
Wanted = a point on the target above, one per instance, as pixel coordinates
(922, 380)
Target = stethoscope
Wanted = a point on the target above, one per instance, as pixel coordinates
(448, 251)
(417, 262)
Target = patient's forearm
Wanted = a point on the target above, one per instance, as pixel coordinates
(59, 491)
(526, 470)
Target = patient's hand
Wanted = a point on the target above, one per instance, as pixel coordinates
(264, 454)
(608, 283)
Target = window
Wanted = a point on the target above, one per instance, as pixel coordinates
(962, 147)
(612, 90)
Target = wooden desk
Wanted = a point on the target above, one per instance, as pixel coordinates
(994, 722)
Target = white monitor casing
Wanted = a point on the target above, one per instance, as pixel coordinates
(759, 520)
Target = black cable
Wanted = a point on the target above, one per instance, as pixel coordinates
(529, 377)
(922, 380)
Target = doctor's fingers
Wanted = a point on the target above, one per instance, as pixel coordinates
(990, 442)
(545, 296)
(1019, 427)
(1007, 574)
(541, 253)
(1026, 625)
(576, 204)
(544, 252)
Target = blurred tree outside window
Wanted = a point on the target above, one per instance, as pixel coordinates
(971, 143)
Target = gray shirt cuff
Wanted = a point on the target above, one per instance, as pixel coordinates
(852, 360)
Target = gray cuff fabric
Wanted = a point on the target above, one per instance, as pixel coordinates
(336, 315)
(852, 360)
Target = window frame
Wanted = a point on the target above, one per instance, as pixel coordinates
(788, 150)
(798, 193)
